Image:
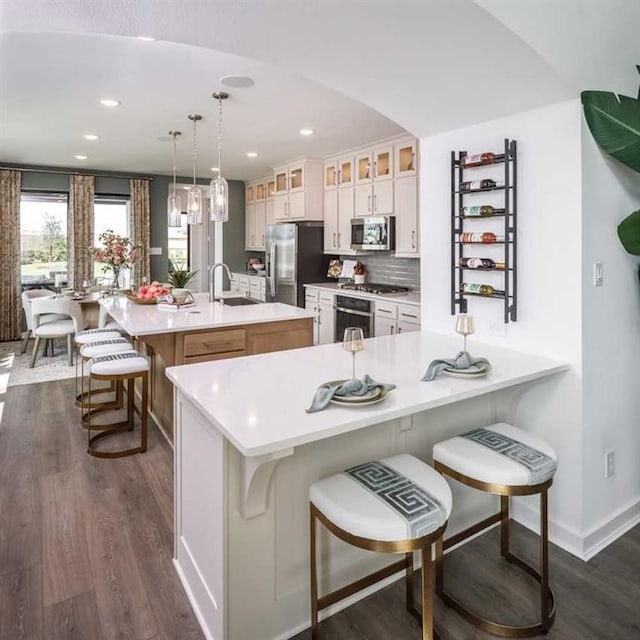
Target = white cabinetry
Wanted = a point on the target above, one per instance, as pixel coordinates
(405, 192)
(339, 194)
(391, 318)
(298, 191)
(255, 215)
(374, 182)
(321, 303)
(249, 286)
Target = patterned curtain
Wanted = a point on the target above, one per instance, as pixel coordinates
(80, 228)
(10, 308)
(139, 226)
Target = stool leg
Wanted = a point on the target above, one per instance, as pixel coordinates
(440, 565)
(69, 350)
(25, 340)
(130, 407)
(34, 353)
(427, 599)
(313, 572)
(504, 526)
(544, 562)
(409, 581)
(144, 414)
(89, 415)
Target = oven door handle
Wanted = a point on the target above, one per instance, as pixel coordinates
(364, 314)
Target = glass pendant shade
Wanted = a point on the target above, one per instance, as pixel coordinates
(219, 199)
(194, 205)
(173, 210)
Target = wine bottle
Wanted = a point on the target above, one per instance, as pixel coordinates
(475, 185)
(483, 211)
(478, 158)
(480, 263)
(480, 289)
(488, 237)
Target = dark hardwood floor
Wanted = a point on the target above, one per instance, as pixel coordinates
(86, 547)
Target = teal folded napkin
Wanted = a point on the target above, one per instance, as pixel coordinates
(463, 360)
(353, 387)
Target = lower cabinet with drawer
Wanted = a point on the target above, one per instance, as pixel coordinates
(321, 303)
(391, 318)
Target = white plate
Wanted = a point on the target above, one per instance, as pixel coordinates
(372, 394)
(475, 371)
(380, 398)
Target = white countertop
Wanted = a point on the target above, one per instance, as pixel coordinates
(410, 297)
(258, 402)
(142, 319)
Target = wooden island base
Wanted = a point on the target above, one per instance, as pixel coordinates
(188, 347)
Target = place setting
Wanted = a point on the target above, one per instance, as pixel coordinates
(353, 392)
(463, 365)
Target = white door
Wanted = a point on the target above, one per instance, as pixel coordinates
(363, 201)
(383, 326)
(249, 226)
(331, 221)
(383, 198)
(311, 304)
(259, 221)
(346, 211)
(326, 330)
(281, 205)
(406, 205)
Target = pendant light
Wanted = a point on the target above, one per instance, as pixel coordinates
(174, 207)
(219, 187)
(194, 202)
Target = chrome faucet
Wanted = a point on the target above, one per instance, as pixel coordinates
(212, 285)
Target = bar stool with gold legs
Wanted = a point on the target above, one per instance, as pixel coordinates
(394, 505)
(506, 461)
(81, 339)
(118, 368)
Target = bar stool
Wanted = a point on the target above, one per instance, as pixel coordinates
(86, 337)
(394, 505)
(506, 461)
(120, 367)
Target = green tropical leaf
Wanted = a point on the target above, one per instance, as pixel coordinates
(614, 121)
(629, 233)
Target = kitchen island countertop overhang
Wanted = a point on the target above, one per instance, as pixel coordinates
(258, 403)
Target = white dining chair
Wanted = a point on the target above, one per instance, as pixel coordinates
(27, 297)
(71, 323)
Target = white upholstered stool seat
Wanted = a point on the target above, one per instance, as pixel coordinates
(93, 335)
(506, 461)
(105, 347)
(361, 511)
(119, 367)
(394, 505)
(482, 456)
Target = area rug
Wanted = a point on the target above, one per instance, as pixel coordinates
(14, 366)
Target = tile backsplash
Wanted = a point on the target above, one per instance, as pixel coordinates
(387, 269)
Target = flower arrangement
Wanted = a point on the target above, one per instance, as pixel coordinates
(117, 253)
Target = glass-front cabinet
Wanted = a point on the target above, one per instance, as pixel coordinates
(298, 190)
(406, 158)
(281, 181)
(296, 178)
(383, 163)
(250, 194)
(364, 173)
(330, 174)
(261, 192)
(346, 173)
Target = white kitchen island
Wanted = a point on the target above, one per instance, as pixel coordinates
(246, 452)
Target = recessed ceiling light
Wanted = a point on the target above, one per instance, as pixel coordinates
(238, 82)
(307, 132)
(146, 38)
(252, 154)
(216, 169)
(110, 102)
(91, 136)
(80, 157)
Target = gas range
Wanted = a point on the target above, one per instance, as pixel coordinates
(371, 287)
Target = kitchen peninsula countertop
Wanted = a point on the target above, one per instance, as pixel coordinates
(410, 297)
(272, 417)
(142, 319)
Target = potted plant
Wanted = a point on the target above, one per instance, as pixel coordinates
(179, 279)
(614, 122)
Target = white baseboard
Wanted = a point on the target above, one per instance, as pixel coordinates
(584, 546)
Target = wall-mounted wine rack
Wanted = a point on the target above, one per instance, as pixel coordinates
(466, 230)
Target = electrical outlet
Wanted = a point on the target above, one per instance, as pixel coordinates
(609, 463)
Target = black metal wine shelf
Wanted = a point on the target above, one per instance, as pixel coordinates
(459, 302)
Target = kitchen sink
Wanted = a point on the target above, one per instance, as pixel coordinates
(236, 302)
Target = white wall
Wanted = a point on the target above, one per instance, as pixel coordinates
(549, 279)
(610, 347)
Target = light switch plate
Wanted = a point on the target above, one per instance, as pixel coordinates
(155, 251)
(598, 274)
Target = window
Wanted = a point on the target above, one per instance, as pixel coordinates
(43, 238)
(111, 213)
(178, 241)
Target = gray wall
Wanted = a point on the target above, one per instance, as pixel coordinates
(158, 192)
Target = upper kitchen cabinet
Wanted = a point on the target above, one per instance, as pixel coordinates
(374, 182)
(270, 213)
(405, 195)
(298, 191)
(255, 214)
(338, 205)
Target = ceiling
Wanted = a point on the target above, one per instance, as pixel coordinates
(52, 84)
(429, 65)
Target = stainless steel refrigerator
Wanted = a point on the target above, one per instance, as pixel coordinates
(293, 258)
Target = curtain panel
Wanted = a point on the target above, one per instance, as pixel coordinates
(80, 229)
(10, 307)
(139, 226)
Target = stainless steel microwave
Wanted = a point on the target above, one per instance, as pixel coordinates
(376, 233)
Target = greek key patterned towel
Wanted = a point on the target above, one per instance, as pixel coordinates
(539, 465)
